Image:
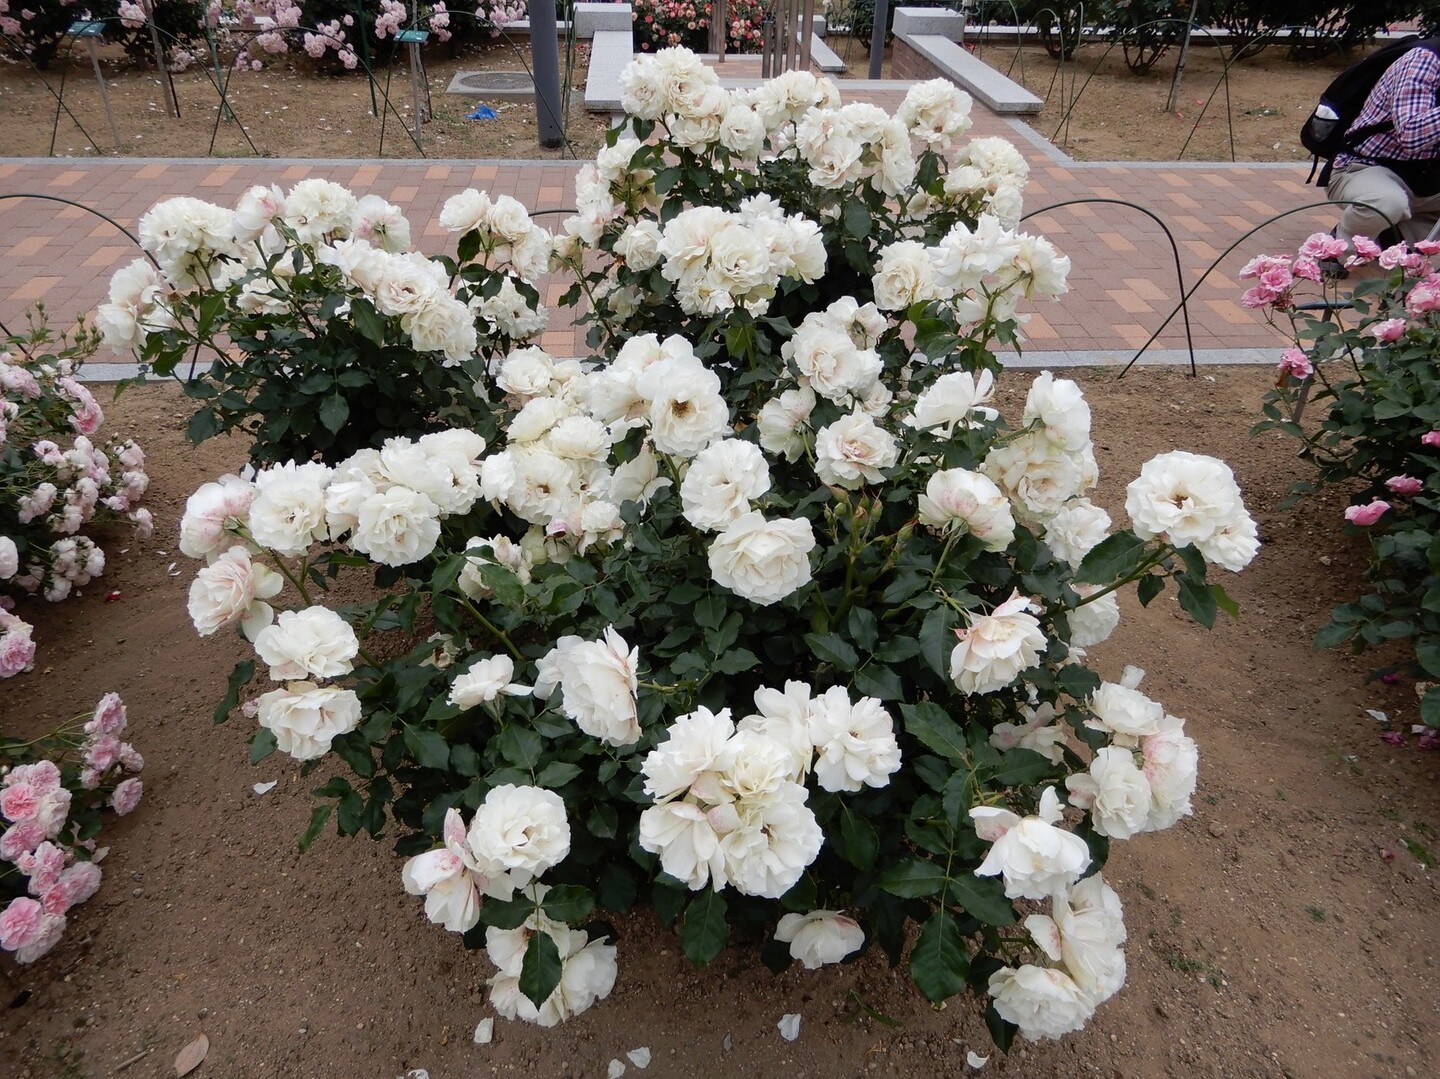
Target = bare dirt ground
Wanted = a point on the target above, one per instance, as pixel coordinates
(1286, 930)
(289, 109)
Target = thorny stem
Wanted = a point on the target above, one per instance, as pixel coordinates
(495, 630)
(1140, 571)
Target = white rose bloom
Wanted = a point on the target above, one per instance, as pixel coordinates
(1188, 498)
(1035, 858)
(853, 451)
(256, 211)
(187, 236)
(1122, 711)
(689, 848)
(1115, 791)
(587, 971)
(783, 421)
(439, 468)
(762, 561)
(854, 743)
(772, 841)
(543, 486)
(637, 480)
(1043, 1002)
(535, 418)
(526, 373)
(784, 716)
(1060, 406)
(307, 718)
(485, 680)
(742, 131)
(807, 249)
(1092, 622)
(996, 647)
(579, 438)
(751, 766)
(956, 399)
(466, 211)
(904, 275)
(826, 357)
(210, 512)
(820, 937)
(1076, 529)
(722, 481)
(318, 210)
(970, 501)
(598, 681)
(10, 565)
(642, 89)
(230, 589)
(1171, 760)
(382, 222)
(1039, 476)
(965, 257)
(1007, 203)
(1085, 932)
(1233, 547)
(288, 511)
(405, 286)
(451, 897)
(496, 550)
(396, 527)
(639, 245)
(687, 411)
(1039, 733)
(313, 643)
(519, 829)
(691, 747)
(935, 112)
(512, 314)
(445, 325)
(509, 220)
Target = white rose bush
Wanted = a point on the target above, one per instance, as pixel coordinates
(322, 330)
(762, 615)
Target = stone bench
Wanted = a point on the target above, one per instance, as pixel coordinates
(823, 56)
(984, 83)
(610, 53)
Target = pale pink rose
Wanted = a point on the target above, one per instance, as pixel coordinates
(1293, 361)
(1405, 485)
(1259, 296)
(1428, 247)
(43, 866)
(17, 650)
(1430, 438)
(126, 796)
(20, 924)
(102, 753)
(74, 886)
(1277, 279)
(1321, 246)
(52, 926)
(1308, 269)
(109, 716)
(1367, 515)
(1260, 265)
(130, 758)
(1366, 250)
(89, 779)
(19, 803)
(21, 839)
(43, 776)
(1423, 297)
(1392, 329)
(1393, 256)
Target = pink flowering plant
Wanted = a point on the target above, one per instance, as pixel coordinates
(1364, 362)
(320, 330)
(660, 24)
(781, 636)
(60, 478)
(54, 794)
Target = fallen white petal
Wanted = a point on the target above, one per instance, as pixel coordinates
(264, 788)
(1377, 715)
(789, 1026)
(616, 1070)
(975, 1060)
(484, 1031)
(639, 1057)
(1415, 728)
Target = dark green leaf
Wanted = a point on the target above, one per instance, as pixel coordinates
(1335, 633)
(1115, 557)
(939, 961)
(429, 748)
(239, 677)
(540, 970)
(858, 843)
(1427, 652)
(520, 746)
(367, 320)
(933, 727)
(1150, 586)
(262, 744)
(1196, 599)
(318, 816)
(937, 639)
(912, 879)
(1021, 767)
(557, 774)
(833, 649)
(704, 931)
(857, 218)
(982, 897)
(569, 903)
(735, 661)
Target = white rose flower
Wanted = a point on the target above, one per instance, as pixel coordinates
(956, 399)
(828, 361)
(1188, 498)
(1076, 529)
(820, 937)
(520, 830)
(1095, 620)
(1060, 406)
(784, 716)
(288, 511)
(10, 565)
(465, 212)
(686, 411)
(783, 421)
(485, 680)
(691, 747)
(256, 211)
(319, 210)
(639, 245)
(230, 589)
(509, 220)
(1171, 760)
(904, 275)
(996, 647)
(967, 500)
(587, 971)
(451, 898)
(855, 743)
(598, 682)
(853, 451)
(444, 324)
(1035, 858)
(722, 481)
(1085, 933)
(382, 222)
(1042, 1001)
(439, 468)
(643, 89)
(742, 132)
(762, 561)
(1122, 711)
(772, 841)
(752, 766)
(1039, 733)
(526, 373)
(1233, 547)
(313, 643)
(935, 112)
(305, 718)
(689, 847)
(396, 527)
(637, 480)
(1115, 791)
(1039, 476)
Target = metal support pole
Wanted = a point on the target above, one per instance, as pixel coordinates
(172, 102)
(1174, 99)
(545, 60)
(877, 37)
(415, 88)
(104, 92)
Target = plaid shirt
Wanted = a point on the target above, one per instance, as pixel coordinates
(1407, 95)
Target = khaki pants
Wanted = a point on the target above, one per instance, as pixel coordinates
(1386, 202)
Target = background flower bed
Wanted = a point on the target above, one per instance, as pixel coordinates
(1268, 914)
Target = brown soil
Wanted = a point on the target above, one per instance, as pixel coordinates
(1285, 930)
(287, 110)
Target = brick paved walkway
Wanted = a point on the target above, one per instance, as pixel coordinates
(1123, 281)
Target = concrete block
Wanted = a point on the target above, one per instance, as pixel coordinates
(1001, 94)
(610, 53)
(910, 21)
(592, 17)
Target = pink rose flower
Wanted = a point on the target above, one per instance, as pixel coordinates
(102, 753)
(1293, 361)
(43, 866)
(1321, 245)
(1367, 515)
(1258, 296)
(17, 650)
(75, 886)
(1428, 247)
(130, 758)
(1405, 485)
(127, 796)
(20, 923)
(1393, 256)
(1392, 329)
(1308, 269)
(1430, 438)
(19, 803)
(1366, 249)
(109, 716)
(21, 839)
(43, 776)
(1423, 297)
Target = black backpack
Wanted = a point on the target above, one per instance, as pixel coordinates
(1327, 131)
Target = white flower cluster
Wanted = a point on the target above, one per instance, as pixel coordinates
(587, 971)
(1187, 498)
(730, 805)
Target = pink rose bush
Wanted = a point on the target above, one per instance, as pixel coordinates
(53, 791)
(764, 613)
(1367, 373)
(60, 479)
